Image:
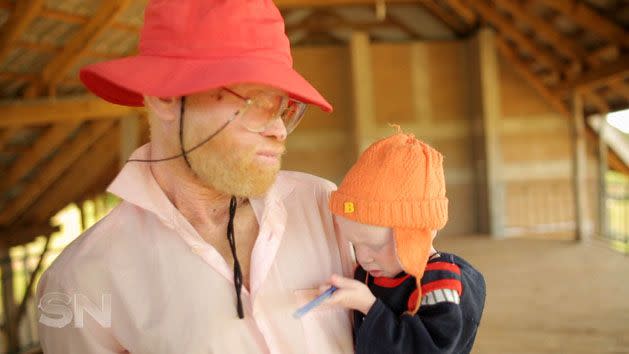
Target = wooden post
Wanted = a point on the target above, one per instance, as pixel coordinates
(487, 113)
(579, 166)
(362, 80)
(602, 172)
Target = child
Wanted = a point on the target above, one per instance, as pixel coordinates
(407, 297)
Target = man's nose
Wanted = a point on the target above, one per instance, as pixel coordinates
(276, 129)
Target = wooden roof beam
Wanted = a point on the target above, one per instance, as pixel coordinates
(447, 18)
(622, 88)
(288, 4)
(52, 170)
(545, 92)
(79, 179)
(24, 13)
(72, 51)
(7, 134)
(490, 14)
(80, 19)
(47, 111)
(51, 139)
(19, 235)
(585, 16)
(468, 16)
(567, 46)
(614, 160)
(596, 100)
(593, 79)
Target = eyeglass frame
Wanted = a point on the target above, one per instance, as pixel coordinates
(249, 101)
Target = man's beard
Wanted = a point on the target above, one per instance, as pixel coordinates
(232, 169)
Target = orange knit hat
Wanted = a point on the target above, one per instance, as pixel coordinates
(398, 182)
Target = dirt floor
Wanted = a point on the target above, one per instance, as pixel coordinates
(549, 296)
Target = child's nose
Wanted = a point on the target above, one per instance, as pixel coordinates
(363, 256)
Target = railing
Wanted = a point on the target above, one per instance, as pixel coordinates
(617, 210)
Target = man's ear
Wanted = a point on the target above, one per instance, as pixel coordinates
(165, 109)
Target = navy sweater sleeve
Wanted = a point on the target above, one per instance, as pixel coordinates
(434, 329)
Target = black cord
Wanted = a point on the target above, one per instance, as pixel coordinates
(233, 204)
(183, 110)
(183, 151)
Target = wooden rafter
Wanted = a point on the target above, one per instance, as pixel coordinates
(79, 20)
(47, 142)
(7, 134)
(287, 4)
(17, 76)
(67, 17)
(490, 14)
(392, 19)
(72, 51)
(544, 91)
(52, 170)
(463, 10)
(447, 18)
(53, 49)
(591, 97)
(46, 111)
(621, 88)
(21, 234)
(567, 46)
(511, 56)
(24, 13)
(609, 72)
(101, 159)
(585, 16)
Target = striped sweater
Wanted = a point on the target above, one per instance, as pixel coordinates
(453, 297)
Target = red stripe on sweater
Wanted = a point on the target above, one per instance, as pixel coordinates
(390, 282)
(443, 284)
(444, 266)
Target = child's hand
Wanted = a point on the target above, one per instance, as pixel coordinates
(350, 294)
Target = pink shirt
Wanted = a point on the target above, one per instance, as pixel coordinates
(171, 292)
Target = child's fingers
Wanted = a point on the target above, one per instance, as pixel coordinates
(323, 287)
(342, 282)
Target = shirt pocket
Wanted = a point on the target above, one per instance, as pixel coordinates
(327, 329)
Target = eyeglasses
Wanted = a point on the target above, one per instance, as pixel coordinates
(264, 108)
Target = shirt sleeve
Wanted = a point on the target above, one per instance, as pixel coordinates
(434, 329)
(60, 330)
(348, 262)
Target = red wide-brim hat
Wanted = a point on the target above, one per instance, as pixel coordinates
(190, 46)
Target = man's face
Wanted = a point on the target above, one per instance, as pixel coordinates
(374, 247)
(236, 161)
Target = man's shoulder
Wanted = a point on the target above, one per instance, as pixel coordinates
(93, 250)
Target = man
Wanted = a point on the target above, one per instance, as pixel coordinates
(212, 248)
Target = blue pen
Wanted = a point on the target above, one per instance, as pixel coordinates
(314, 303)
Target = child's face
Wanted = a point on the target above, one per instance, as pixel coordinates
(374, 247)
